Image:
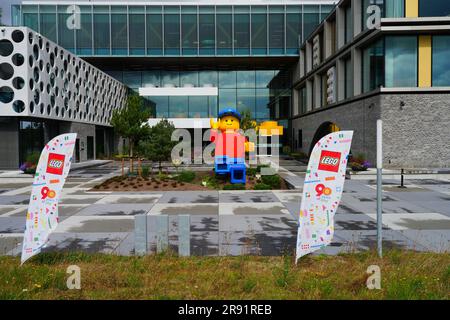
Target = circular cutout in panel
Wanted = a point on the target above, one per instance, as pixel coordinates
(36, 52)
(47, 46)
(41, 108)
(57, 111)
(30, 38)
(17, 36)
(31, 61)
(18, 83)
(31, 107)
(41, 44)
(6, 47)
(36, 96)
(36, 74)
(18, 59)
(49, 109)
(18, 106)
(41, 65)
(6, 94)
(52, 59)
(6, 71)
(31, 83)
(62, 112)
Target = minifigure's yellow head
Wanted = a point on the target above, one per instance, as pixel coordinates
(229, 123)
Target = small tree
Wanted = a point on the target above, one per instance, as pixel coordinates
(158, 147)
(131, 121)
(247, 122)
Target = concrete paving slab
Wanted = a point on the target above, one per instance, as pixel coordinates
(184, 208)
(415, 221)
(190, 197)
(98, 224)
(14, 199)
(129, 209)
(256, 223)
(247, 197)
(80, 199)
(8, 209)
(12, 224)
(265, 208)
(289, 196)
(130, 198)
(439, 240)
(63, 211)
(355, 222)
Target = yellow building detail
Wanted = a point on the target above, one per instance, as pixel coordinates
(411, 8)
(424, 61)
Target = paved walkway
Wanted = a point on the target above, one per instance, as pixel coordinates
(415, 218)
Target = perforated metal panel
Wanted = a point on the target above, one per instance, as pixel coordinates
(41, 79)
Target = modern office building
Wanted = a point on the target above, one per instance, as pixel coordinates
(309, 65)
(353, 71)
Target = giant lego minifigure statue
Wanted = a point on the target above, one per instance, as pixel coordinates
(231, 146)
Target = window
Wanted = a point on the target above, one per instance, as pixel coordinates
(227, 79)
(434, 8)
(84, 34)
(365, 5)
(178, 106)
(348, 24)
(259, 30)
(241, 34)
(189, 30)
(161, 106)
(171, 34)
(441, 61)
(119, 33)
(293, 29)
(224, 31)
(198, 107)
(348, 70)
(394, 8)
(373, 66)
(302, 100)
(276, 30)
(48, 22)
(137, 25)
(207, 34)
(154, 31)
(401, 61)
(262, 104)
(101, 30)
(245, 79)
(311, 19)
(300, 139)
(30, 17)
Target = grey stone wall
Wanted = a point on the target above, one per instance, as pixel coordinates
(9, 143)
(416, 128)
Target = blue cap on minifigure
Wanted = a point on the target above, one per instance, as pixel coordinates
(229, 112)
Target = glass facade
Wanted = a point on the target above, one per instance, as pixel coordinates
(441, 61)
(401, 61)
(373, 66)
(253, 90)
(174, 30)
(434, 8)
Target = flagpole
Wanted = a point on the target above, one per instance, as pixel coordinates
(379, 187)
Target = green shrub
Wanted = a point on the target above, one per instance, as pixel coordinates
(186, 176)
(262, 186)
(251, 172)
(237, 186)
(211, 182)
(299, 155)
(33, 157)
(273, 181)
(357, 166)
(145, 172)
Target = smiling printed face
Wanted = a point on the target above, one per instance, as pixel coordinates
(229, 123)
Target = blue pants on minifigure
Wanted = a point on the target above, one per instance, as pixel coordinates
(235, 167)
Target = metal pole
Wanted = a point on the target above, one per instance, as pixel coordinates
(379, 186)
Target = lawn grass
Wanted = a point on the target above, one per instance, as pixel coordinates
(404, 275)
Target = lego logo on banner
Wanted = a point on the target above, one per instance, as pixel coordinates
(329, 161)
(55, 164)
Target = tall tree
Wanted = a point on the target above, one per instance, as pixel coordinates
(158, 147)
(130, 122)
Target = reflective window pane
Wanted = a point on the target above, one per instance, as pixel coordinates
(227, 79)
(441, 61)
(132, 79)
(171, 34)
(207, 34)
(401, 61)
(208, 78)
(395, 8)
(373, 66)
(84, 34)
(189, 78)
(276, 33)
(245, 79)
(259, 33)
(227, 98)
(170, 79)
(161, 105)
(263, 78)
(246, 101)
(434, 8)
(224, 34)
(241, 34)
(151, 79)
(48, 22)
(198, 107)
(137, 26)
(178, 107)
(189, 34)
(311, 20)
(66, 36)
(293, 32)
(119, 32)
(262, 104)
(101, 31)
(154, 34)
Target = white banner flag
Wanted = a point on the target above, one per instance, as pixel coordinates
(51, 172)
(322, 191)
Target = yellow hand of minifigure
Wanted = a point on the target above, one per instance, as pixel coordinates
(214, 125)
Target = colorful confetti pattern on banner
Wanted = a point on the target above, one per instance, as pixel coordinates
(51, 172)
(322, 191)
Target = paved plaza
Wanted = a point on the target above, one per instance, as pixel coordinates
(229, 222)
